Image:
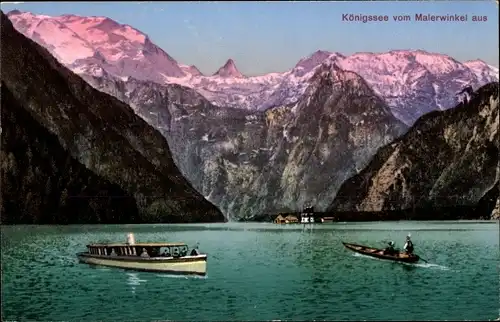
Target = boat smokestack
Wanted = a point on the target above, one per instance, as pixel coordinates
(130, 239)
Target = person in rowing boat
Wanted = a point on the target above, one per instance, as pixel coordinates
(390, 250)
(408, 245)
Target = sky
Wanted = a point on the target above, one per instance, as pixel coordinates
(263, 37)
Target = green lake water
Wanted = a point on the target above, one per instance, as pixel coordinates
(257, 272)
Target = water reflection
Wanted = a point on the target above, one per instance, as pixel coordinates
(133, 280)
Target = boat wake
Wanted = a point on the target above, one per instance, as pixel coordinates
(430, 265)
(183, 276)
(422, 265)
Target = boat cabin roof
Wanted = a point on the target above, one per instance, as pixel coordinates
(138, 245)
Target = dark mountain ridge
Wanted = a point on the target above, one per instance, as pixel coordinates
(42, 183)
(447, 160)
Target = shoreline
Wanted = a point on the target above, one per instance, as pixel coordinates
(476, 221)
(477, 213)
(420, 214)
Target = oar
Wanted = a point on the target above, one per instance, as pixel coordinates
(424, 259)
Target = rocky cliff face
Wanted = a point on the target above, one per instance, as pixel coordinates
(329, 135)
(446, 159)
(43, 184)
(284, 158)
(108, 150)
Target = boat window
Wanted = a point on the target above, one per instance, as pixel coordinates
(165, 252)
(154, 251)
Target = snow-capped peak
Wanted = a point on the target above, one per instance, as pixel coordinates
(229, 70)
(484, 72)
(475, 62)
(126, 50)
(478, 63)
(307, 64)
(316, 59)
(192, 70)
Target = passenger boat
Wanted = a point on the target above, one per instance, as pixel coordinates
(380, 253)
(172, 258)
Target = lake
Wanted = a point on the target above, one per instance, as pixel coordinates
(257, 272)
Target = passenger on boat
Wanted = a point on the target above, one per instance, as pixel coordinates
(195, 252)
(113, 253)
(166, 253)
(144, 253)
(390, 250)
(408, 245)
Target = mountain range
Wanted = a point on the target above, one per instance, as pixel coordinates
(70, 154)
(412, 82)
(276, 142)
(279, 159)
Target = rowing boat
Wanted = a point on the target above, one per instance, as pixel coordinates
(380, 253)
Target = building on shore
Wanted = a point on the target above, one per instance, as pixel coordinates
(291, 219)
(280, 219)
(307, 215)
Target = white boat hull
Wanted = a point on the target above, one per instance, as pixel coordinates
(184, 265)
